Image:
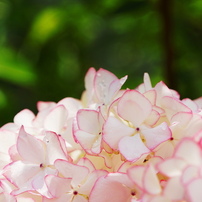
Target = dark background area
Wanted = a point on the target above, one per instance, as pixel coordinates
(46, 47)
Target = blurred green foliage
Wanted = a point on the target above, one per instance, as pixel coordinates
(47, 46)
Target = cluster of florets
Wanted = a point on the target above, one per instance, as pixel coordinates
(142, 145)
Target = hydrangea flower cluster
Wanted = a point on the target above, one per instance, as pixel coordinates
(138, 145)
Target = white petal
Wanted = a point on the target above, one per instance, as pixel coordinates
(88, 121)
(157, 135)
(132, 148)
(194, 190)
(188, 150)
(24, 117)
(30, 148)
(134, 107)
(114, 130)
(172, 106)
(55, 120)
(136, 174)
(174, 189)
(151, 182)
(53, 148)
(172, 167)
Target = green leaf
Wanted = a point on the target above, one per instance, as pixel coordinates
(15, 68)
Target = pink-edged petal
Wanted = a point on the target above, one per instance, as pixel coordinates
(57, 186)
(89, 81)
(24, 117)
(157, 135)
(152, 118)
(190, 173)
(53, 148)
(132, 148)
(174, 189)
(25, 170)
(134, 107)
(106, 189)
(172, 167)
(56, 119)
(86, 188)
(7, 139)
(194, 190)
(87, 140)
(114, 130)
(136, 174)
(162, 90)
(30, 148)
(69, 170)
(87, 163)
(191, 104)
(183, 151)
(102, 81)
(172, 106)
(114, 88)
(41, 105)
(88, 121)
(39, 184)
(71, 104)
(181, 119)
(150, 181)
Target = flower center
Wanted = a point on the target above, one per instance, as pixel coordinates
(75, 193)
(133, 193)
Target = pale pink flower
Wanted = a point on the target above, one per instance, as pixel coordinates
(76, 183)
(114, 187)
(184, 171)
(37, 159)
(102, 87)
(132, 134)
(88, 130)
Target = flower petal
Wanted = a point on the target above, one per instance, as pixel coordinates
(183, 151)
(88, 121)
(134, 107)
(114, 130)
(109, 190)
(53, 148)
(132, 148)
(55, 120)
(69, 170)
(30, 148)
(194, 190)
(157, 135)
(57, 186)
(151, 182)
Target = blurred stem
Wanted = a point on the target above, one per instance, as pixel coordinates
(165, 10)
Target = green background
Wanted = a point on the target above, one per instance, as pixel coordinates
(46, 47)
